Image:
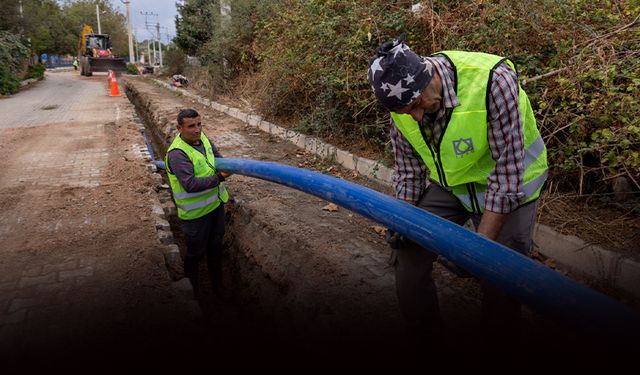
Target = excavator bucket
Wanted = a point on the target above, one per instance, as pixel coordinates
(106, 64)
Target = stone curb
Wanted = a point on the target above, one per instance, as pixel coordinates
(28, 82)
(569, 252)
(590, 261)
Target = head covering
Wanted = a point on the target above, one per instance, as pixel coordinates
(397, 75)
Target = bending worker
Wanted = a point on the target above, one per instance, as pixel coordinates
(466, 146)
(199, 193)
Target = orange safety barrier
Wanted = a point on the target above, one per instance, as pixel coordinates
(113, 85)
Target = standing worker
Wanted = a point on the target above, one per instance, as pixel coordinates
(75, 63)
(200, 195)
(460, 121)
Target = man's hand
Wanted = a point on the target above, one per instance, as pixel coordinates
(225, 174)
(491, 224)
(395, 239)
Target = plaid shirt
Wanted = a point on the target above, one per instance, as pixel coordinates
(504, 184)
(182, 167)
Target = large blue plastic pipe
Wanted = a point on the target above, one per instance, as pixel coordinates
(541, 288)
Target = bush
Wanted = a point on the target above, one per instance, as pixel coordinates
(175, 60)
(132, 69)
(35, 71)
(13, 56)
(13, 53)
(307, 62)
(9, 83)
(313, 62)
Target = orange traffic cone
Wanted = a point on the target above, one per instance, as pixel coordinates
(113, 85)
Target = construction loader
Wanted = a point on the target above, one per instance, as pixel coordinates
(94, 53)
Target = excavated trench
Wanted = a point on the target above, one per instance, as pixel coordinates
(313, 284)
(301, 280)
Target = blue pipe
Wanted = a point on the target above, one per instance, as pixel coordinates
(149, 146)
(159, 164)
(544, 290)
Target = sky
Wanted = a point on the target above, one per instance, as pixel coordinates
(165, 9)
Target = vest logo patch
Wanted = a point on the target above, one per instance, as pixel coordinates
(462, 147)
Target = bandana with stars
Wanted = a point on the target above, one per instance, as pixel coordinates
(397, 75)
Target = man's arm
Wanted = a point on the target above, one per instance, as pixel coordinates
(506, 141)
(491, 224)
(214, 149)
(181, 166)
(409, 172)
(217, 154)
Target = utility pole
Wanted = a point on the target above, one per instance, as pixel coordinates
(98, 17)
(135, 40)
(153, 47)
(159, 39)
(131, 56)
(149, 52)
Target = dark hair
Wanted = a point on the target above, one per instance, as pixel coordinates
(189, 112)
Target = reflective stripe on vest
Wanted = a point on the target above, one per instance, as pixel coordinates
(184, 194)
(192, 205)
(528, 189)
(461, 160)
(200, 204)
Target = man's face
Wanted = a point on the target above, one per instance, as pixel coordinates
(190, 129)
(428, 102)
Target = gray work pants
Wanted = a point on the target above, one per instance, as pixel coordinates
(416, 290)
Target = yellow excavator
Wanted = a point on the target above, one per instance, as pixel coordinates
(94, 53)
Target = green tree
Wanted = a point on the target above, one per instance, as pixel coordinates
(10, 19)
(195, 24)
(44, 25)
(13, 55)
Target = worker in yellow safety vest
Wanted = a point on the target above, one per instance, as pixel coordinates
(466, 146)
(199, 193)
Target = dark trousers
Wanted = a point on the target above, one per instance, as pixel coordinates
(204, 240)
(416, 290)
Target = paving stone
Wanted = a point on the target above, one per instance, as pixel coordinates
(366, 167)
(54, 289)
(32, 271)
(60, 266)
(23, 303)
(254, 120)
(36, 280)
(157, 209)
(162, 224)
(88, 261)
(377, 270)
(169, 209)
(10, 285)
(365, 261)
(13, 318)
(165, 237)
(86, 271)
(382, 282)
(265, 126)
(346, 159)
